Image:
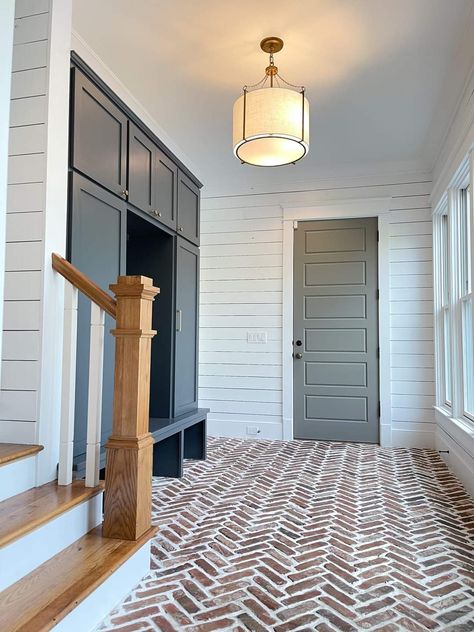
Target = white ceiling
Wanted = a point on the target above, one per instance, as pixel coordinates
(383, 76)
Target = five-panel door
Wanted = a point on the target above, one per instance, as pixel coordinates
(335, 345)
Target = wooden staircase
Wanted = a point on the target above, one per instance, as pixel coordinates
(47, 595)
(66, 556)
(10, 452)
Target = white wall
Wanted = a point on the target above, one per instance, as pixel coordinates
(241, 291)
(7, 15)
(455, 438)
(25, 220)
(37, 181)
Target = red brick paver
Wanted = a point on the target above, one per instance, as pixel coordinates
(306, 535)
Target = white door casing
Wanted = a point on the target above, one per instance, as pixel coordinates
(343, 209)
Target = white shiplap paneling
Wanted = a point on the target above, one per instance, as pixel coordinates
(25, 219)
(241, 277)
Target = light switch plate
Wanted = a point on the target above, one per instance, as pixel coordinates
(257, 337)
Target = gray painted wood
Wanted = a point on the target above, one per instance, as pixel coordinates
(141, 164)
(97, 248)
(188, 208)
(186, 343)
(151, 252)
(99, 148)
(336, 390)
(165, 189)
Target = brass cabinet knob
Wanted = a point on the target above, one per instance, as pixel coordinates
(124, 193)
(157, 213)
(180, 228)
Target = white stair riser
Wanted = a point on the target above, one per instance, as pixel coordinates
(23, 555)
(97, 606)
(17, 477)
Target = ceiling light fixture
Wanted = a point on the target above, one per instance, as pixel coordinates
(271, 122)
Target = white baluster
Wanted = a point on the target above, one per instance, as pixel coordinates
(94, 405)
(68, 389)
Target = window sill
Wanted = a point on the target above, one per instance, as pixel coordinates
(461, 431)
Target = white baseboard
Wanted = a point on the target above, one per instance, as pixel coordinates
(17, 477)
(239, 429)
(455, 444)
(458, 461)
(25, 554)
(404, 438)
(90, 612)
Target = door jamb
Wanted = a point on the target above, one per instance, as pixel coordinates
(339, 209)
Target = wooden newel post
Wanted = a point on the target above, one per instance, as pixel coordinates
(129, 450)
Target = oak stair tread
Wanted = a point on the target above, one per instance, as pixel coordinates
(10, 452)
(25, 512)
(38, 601)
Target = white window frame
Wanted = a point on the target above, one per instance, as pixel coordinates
(451, 205)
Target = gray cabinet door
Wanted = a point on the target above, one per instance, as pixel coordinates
(96, 246)
(166, 183)
(188, 208)
(336, 389)
(141, 166)
(99, 147)
(186, 341)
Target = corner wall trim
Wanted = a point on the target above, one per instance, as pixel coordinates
(339, 209)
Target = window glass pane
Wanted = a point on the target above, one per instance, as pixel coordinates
(447, 356)
(465, 242)
(468, 359)
(445, 261)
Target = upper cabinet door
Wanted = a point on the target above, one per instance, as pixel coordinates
(99, 147)
(141, 168)
(166, 177)
(188, 208)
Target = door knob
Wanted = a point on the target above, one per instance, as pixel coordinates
(298, 355)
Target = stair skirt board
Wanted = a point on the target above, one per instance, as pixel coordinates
(90, 612)
(29, 551)
(17, 477)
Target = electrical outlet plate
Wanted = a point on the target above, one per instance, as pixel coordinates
(252, 430)
(257, 337)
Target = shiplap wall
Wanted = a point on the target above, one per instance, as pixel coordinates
(25, 219)
(241, 291)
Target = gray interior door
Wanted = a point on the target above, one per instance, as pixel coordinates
(335, 346)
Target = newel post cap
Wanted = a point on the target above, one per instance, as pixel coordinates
(135, 286)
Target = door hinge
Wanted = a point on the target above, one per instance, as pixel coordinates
(295, 224)
(378, 352)
(378, 236)
(379, 410)
(377, 294)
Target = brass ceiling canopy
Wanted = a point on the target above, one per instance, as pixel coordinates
(271, 45)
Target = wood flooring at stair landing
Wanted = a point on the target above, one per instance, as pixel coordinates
(305, 535)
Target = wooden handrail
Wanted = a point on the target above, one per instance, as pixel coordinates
(85, 285)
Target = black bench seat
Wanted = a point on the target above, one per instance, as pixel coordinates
(178, 438)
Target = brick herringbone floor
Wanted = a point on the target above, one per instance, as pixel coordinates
(305, 535)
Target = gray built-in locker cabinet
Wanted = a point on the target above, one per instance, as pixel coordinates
(134, 209)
